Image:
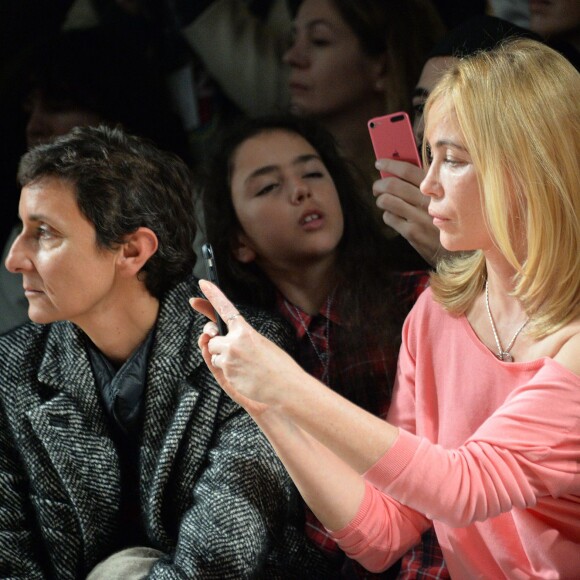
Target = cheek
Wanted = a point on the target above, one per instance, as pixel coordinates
(338, 72)
(259, 222)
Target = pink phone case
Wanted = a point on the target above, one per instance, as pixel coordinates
(392, 138)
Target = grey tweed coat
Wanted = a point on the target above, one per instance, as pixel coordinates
(214, 497)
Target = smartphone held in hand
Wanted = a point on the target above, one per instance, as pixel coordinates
(392, 138)
(212, 276)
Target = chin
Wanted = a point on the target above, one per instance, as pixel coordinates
(42, 317)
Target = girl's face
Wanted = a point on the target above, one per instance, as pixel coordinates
(286, 202)
(329, 73)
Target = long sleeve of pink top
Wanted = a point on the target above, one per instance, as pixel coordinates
(488, 451)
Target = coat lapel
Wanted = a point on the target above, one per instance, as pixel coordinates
(170, 400)
(72, 429)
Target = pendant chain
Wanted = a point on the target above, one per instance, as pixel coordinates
(503, 355)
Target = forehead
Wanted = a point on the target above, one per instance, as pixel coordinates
(50, 198)
(433, 71)
(270, 147)
(318, 10)
(440, 120)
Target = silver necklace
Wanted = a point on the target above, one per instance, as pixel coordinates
(324, 358)
(503, 355)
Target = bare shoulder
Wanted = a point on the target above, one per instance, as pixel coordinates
(568, 354)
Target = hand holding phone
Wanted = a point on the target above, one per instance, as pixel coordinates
(212, 276)
(392, 138)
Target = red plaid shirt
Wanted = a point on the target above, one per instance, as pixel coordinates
(314, 334)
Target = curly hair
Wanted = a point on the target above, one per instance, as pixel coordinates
(124, 182)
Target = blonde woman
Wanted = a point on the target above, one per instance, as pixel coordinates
(482, 439)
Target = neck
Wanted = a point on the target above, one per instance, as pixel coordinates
(119, 330)
(306, 286)
(500, 278)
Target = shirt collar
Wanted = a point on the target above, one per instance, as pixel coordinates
(300, 319)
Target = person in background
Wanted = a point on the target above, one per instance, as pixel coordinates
(403, 205)
(119, 455)
(351, 61)
(482, 439)
(78, 78)
(515, 11)
(292, 234)
(558, 23)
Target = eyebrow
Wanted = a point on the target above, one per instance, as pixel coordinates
(420, 92)
(449, 143)
(312, 24)
(35, 217)
(300, 160)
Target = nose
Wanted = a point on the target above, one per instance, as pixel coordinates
(296, 55)
(16, 260)
(431, 185)
(300, 192)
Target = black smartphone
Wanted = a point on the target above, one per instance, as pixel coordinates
(212, 276)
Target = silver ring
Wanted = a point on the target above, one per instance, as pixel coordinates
(230, 318)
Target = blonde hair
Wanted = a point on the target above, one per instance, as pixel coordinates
(518, 109)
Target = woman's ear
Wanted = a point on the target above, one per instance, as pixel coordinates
(242, 249)
(136, 249)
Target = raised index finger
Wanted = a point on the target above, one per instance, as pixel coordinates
(402, 169)
(219, 301)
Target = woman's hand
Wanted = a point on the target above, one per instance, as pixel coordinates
(283, 399)
(405, 207)
(251, 369)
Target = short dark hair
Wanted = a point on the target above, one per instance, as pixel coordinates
(123, 182)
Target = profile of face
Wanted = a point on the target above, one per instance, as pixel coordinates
(329, 72)
(47, 121)
(286, 202)
(452, 185)
(66, 276)
(432, 71)
(555, 18)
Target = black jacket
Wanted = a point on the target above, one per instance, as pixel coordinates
(214, 497)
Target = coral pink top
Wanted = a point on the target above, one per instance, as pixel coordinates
(488, 452)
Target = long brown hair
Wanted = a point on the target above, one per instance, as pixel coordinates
(369, 310)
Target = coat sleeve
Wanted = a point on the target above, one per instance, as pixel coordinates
(239, 510)
(243, 521)
(17, 548)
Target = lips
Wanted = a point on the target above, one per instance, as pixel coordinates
(297, 87)
(310, 218)
(31, 290)
(438, 220)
